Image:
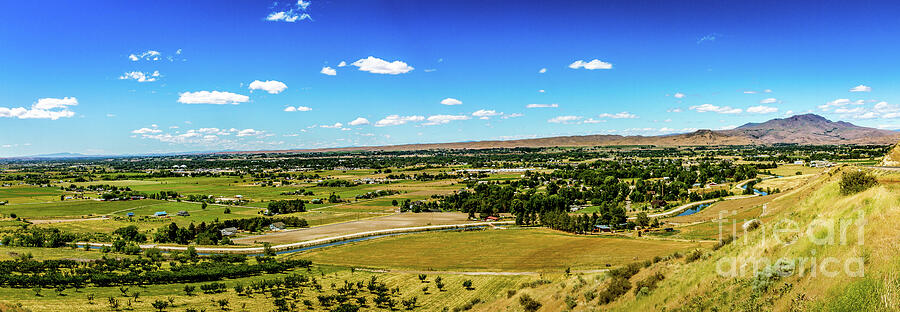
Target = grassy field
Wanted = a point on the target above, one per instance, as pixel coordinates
(495, 250)
(18, 194)
(79, 208)
(790, 170)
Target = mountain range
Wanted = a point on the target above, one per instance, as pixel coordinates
(807, 129)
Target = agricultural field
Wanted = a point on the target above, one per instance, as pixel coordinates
(523, 242)
(501, 249)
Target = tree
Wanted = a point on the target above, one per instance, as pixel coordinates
(422, 278)
(160, 305)
(189, 289)
(223, 303)
(642, 220)
(467, 284)
(394, 203)
(528, 303)
(439, 283)
(203, 205)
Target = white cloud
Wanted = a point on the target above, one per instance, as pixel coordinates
(328, 71)
(543, 70)
(212, 97)
(271, 86)
(768, 101)
(593, 121)
(762, 109)
(146, 130)
(342, 64)
(443, 119)
(839, 103)
(541, 91)
(564, 119)
(451, 101)
(45, 108)
(396, 120)
(297, 109)
(861, 88)
(378, 66)
(359, 121)
(679, 95)
(289, 16)
(140, 76)
(868, 115)
(750, 92)
(885, 107)
(674, 110)
(513, 115)
(249, 132)
(595, 64)
(486, 113)
(622, 115)
(554, 105)
(844, 110)
(708, 38)
(336, 125)
(149, 55)
(717, 109)
(767, 90)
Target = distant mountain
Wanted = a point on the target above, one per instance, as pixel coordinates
(805, 129)
(800, 129)
(811, 129)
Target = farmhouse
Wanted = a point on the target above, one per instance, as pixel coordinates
(160, 214)
(229, 231)
(277, 226)
(183, 213)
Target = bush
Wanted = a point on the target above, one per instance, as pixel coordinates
(528, 303)
(645, 286)
(856, 181)
(618, 286)
(770, 274)
(693, 256)
(722, 242)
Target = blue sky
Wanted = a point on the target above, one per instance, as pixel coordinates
(117, 77)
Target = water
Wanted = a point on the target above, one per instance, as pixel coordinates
(693, 210)
(755, 191)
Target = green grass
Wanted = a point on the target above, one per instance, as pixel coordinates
(495, 250)
(75, 208)
(18, 194)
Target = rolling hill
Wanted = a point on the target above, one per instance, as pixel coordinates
(800, 129)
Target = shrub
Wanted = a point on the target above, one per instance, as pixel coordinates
(528, 303)
(722, 242)
(693, 256)
(618, 286)
(856, 181)
(762, 280)
(645, 286)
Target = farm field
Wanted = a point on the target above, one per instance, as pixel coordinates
(20, 194)
(529, 250)
(372, 224)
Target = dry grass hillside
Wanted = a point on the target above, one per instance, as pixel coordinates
(866, 259)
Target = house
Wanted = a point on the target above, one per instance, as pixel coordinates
(160, 214)
(229, 231)
(130, 214)
(491, 218)
(277, 226)
(183, 213)
(602, 228)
